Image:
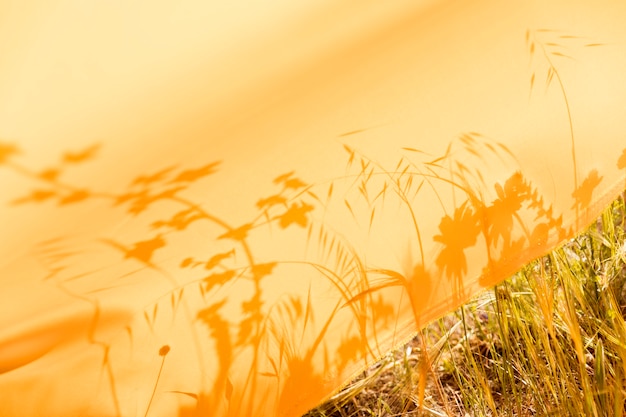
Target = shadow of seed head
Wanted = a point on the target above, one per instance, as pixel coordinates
(165, 349)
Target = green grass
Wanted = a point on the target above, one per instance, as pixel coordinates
(549, 341)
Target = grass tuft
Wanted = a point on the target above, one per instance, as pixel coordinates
(549, 341)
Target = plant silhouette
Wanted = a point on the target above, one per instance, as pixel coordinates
(288, 207)
(260, 344)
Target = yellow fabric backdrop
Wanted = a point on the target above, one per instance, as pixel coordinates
(231, 208)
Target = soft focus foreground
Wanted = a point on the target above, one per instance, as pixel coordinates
(550, 340)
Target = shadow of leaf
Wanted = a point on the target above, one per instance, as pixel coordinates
(215, 260)
(35, 196)
(583, 193)
(260, 271)
(142, 251)
(295, 214)
(271, 201)
(81, 156)
(140, 201)
(50, 174)
(239, 233)
(146, 180)
(283, 177)
(191, 175)
(218, 278)
(180, 220)
(75, 197)
(294, 184)
(7, 150)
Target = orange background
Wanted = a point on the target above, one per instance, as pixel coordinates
(436, 147)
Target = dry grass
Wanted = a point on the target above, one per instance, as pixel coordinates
(550, 340)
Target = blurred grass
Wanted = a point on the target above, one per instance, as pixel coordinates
(549, 341)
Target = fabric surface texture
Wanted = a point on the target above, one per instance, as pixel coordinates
(232, 208)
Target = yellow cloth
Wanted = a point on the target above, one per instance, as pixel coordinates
(229, 208)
